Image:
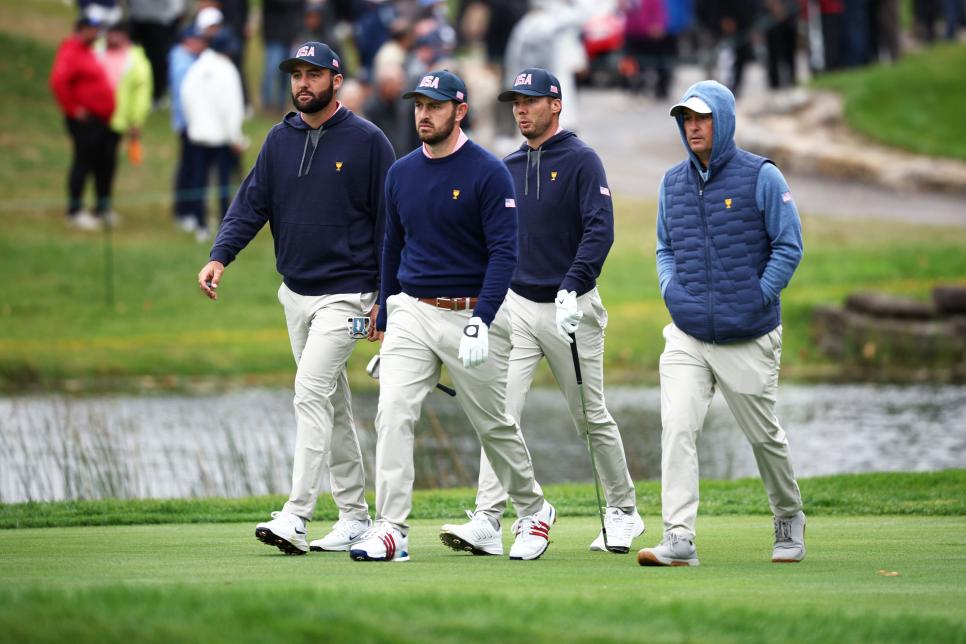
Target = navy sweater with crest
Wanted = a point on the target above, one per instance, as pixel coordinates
(451, 229)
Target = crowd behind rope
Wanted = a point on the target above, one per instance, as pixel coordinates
(189, 56)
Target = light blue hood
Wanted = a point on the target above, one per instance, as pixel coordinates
(722, 103)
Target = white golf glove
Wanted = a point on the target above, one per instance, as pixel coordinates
(568, 314)
(474, 345)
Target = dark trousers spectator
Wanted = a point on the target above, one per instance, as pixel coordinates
(184, 199)
(654, 58)
(832, 37)
(782, 40)
(203, 159)
(926, 13)
(953, 11)
(95, 152)
(157, 40)
(884, 30)
(857, 27)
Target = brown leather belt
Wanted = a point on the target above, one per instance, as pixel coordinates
(450, 303)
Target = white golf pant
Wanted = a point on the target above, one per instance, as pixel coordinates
(535, 337)
(747, 374)
(421, 338)
(325, 431)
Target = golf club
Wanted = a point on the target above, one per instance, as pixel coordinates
(590, 447)
(373, 370)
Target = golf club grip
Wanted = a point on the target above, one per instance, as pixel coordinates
(573, 352)
(445, 389)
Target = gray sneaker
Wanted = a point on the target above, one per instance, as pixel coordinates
(789, 539)
(674, 550)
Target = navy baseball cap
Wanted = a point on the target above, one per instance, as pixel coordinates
(533, 81)
(314, 53)
(442, 85)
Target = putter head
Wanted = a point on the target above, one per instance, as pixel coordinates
(373, 367)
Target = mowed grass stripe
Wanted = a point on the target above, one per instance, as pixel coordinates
(910, 493)
(215, 582)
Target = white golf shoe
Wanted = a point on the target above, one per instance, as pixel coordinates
(622, 529)
(381, 543)
(789, 539)
(478, 535)
(285, 531)
(343, 534)
(533, 534)
(674, 550)
(84, 220)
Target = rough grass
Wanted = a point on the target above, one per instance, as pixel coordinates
(921, 494)
(913, 104)
(217, 583)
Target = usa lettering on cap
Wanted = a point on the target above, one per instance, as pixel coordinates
(430, 81)
(306, 51)
(523, 79)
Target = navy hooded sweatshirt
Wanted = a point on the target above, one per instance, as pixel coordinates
(451, 229)
(566, 217)
(321, 192)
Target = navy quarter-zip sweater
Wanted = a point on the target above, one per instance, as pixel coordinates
(566, 217)
(321, 192)
(451, 229)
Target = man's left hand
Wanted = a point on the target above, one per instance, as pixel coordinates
(568, 314)
(475, 343)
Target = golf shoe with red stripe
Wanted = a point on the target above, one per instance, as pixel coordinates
(533, 534)
(381, 543)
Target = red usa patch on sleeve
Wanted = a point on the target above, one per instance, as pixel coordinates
(605, 191)
(510, 203)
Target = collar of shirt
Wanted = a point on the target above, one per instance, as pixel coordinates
(460, 140)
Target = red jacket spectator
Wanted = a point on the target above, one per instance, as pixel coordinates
(79, 82)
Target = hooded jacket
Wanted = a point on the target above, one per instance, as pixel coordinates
(565, 215)
(728, 236)
(79, 82)
(212, 101)
(321, 192)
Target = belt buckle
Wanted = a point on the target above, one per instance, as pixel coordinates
(447, 303)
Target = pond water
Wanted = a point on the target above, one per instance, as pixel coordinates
(240, 443)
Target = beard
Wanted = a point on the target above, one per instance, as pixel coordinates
(441, 133)
(318, 103)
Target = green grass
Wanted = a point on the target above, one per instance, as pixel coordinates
(912, 104)
(217, 583)
(920, 494)
(56, 331)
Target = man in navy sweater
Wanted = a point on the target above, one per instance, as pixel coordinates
(449, 253)
(566, 228)
(318, 183)
(728, 241)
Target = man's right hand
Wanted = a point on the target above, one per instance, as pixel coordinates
(209, 277)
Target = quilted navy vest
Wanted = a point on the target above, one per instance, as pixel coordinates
(721, 247)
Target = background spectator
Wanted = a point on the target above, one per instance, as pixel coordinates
(281, 22)
(154, 24)
(87, 101)
(182, 57)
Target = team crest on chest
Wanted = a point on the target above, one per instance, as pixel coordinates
(456, 193)
(553, 175)
(338, 166)
(728, 202)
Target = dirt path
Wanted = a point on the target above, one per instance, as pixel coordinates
(638, 142)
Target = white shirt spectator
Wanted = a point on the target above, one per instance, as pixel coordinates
(211, 98)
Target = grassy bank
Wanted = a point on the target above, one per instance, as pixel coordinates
(907, 105)
(58, 331)
(922, 494)
(216, 583)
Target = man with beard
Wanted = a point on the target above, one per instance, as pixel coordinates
(318, 182)
(449, 253)
(566, 228)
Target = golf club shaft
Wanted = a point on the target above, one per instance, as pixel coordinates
(590, 447)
